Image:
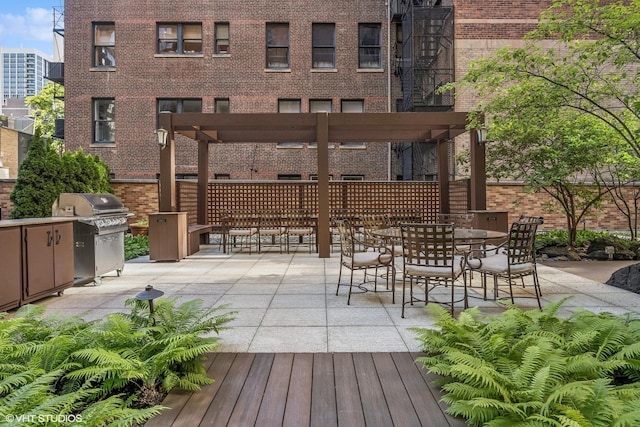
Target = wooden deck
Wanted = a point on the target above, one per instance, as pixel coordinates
(307, 389)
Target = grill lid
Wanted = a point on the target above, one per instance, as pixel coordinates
(87, 204)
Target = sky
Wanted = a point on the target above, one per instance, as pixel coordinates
(28, 24)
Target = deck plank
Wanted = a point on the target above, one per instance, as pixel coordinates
(275, 396)
(374, 405)
(347, 393)
(437, 394)
(306, 389)
(180, 399)
(323, 396)
(248, 403)
(223, 404)
(298, 411)
(398, 400)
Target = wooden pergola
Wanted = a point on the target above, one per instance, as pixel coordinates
(206, 128)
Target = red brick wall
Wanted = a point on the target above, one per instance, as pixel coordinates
(140, 77)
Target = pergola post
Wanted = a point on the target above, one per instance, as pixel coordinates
(203, 182)
(167, 196)
(478, 172)
(443, 176)
(322, 135)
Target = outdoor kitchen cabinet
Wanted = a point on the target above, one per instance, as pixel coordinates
(167, 236)
(47, 259)
(10, 268)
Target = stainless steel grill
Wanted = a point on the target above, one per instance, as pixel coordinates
(98, 232)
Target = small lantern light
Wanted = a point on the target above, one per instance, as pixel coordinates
(481, 135)
(162, 135)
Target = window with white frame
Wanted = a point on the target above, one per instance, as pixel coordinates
(221, 38)
(369, 46)
(323, 41)
(320, 106)
(352, 106)
(104, 45)
(180, 38)
(289, 106)
(104, 120)
(277, 39)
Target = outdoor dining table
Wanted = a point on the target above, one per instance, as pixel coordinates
(460, 235)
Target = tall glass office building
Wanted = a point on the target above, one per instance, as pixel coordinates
(23, 73)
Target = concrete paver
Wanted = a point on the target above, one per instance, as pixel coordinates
(287, 303)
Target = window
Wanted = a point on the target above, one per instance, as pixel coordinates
(323, 40)
(369, 46)
(352, 106)
(104, 45)
(289, 106)
(180, 38)
(277, 45)
(289, 177)
(319, 106)
(221, 176)
(104, 116)
(352, 177)
(221, 38)
(180, 105)
(314, 177)
(221, 105)
(176, 105)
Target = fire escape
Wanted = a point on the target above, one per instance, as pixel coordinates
(55, 70)
(424, 61)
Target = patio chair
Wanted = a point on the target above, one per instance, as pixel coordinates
(240, 226)
(405, 216)
(362, 260)
(301, 224)
(271, 224)
(430, 257)
(514, 259)
(465, 220)
(378, 221)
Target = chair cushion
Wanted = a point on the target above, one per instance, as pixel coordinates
(499, 264)
(243, 231)
(300, 231)
(272, 230)
(435, 270)
(363, 259)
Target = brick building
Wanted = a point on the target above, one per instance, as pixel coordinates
(127, 61)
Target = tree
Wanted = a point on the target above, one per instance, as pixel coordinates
(38, 182)
(47, 106)
(537, 99)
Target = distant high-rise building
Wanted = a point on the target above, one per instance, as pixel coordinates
(23, 74)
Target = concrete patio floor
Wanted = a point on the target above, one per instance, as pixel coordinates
(287, 302)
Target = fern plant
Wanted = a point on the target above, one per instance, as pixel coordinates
(108, 372)
(533, 368)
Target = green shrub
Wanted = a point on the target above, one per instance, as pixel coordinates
(107, 372)
(532, 368)
(45, 174)
(135, 246)
(561, 238)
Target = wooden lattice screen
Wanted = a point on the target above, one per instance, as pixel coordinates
(354, 196)
(459, 196)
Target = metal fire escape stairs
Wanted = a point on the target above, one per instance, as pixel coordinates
(424, 61)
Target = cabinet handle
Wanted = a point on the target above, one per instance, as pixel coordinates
(58, 236)
(49, 238)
